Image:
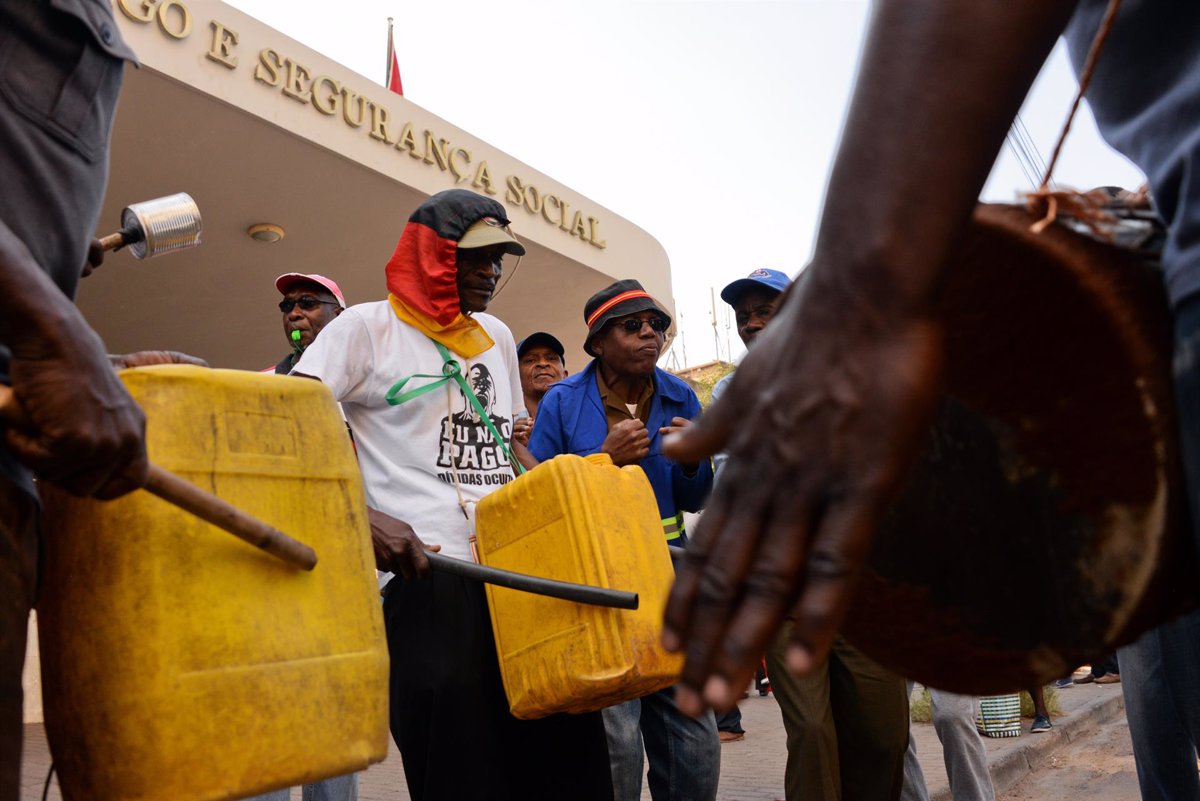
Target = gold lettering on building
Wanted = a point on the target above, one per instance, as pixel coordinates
(593, 224)
(435, 151)
(547, 202)
(553, 210)
(379, 120)
(351, 99)
(455, 170)
(577, 227)
(298, 77)
(483, 179)
(146, 10)
(269, 68)
(184, 27)
(516, 191)
(138, 12)
(326, 94)
(533, 200)
(408, 141)
(223, 42)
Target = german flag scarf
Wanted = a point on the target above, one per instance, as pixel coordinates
(422, 275)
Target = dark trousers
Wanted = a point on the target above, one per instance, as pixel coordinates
(846, 724)
(731, 721)
(450, 717)
(1106, 665)
(18, 582)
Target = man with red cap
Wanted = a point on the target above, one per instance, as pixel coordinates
(430, 387)
(310, 302)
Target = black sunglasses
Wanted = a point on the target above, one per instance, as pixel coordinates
(634, 325)
(308, 304)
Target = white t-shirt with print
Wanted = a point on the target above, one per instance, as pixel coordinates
(411, 454)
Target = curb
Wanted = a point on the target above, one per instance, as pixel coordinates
(1010, 767)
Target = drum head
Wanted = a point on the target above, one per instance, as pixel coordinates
(1045, 505)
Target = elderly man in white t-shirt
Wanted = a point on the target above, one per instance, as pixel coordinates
(430, 448)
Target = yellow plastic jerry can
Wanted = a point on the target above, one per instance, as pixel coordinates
(583, 520)
(182, 664)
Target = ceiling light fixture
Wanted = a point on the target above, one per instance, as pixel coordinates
(265, 232)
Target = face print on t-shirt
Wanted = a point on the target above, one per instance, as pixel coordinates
(466, 443)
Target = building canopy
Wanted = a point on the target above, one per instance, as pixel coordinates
(260, 129)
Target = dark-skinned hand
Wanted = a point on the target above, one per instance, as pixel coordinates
(147, 358)
(522, 429)
(818, 438)
(679, 424)
(83, 431)
(627, 443)
(398, 549)
(95, 257)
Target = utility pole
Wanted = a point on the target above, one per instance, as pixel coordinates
(683, 344)
(728, 349)
(712, 297)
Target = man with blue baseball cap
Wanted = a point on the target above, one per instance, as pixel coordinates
(850, 708)
(753, 300)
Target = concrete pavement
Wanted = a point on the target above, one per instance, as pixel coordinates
(752, 769)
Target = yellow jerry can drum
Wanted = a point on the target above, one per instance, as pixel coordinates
(180, 663)
(583, 520)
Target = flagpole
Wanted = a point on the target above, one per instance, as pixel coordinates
(391, 49)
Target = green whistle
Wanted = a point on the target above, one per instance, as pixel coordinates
(296, 336)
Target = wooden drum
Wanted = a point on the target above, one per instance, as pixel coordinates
(1044, 523)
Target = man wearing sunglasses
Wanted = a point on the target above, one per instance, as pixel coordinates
(310, 302)
(622, 404)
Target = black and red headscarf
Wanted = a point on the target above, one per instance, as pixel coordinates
(422, 275)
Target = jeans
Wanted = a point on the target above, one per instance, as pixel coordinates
(339, 788)
(962, 751)
(684, 753)
(1162, 704)
(1186, 367)
(731, 721)
(1160, 673)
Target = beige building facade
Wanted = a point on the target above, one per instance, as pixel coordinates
(260, 129)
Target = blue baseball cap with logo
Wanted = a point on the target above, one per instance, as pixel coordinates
(773, 280)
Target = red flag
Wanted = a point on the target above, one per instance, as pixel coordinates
(393, 79)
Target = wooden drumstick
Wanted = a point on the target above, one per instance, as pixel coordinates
(202, 504)
(113, 241)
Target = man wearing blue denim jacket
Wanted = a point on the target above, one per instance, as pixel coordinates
(623, 405)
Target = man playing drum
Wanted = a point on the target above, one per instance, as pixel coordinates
(821, 436)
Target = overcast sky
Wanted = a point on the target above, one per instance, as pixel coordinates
(712, 125)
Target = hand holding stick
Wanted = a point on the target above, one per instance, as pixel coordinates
(204, 505)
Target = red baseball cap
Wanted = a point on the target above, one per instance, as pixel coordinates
(285, 281)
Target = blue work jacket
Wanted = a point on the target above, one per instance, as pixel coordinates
(571, 419)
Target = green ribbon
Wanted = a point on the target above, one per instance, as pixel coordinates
(451, 371)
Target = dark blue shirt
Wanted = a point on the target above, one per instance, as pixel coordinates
(571, 419)
(1145, 95)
